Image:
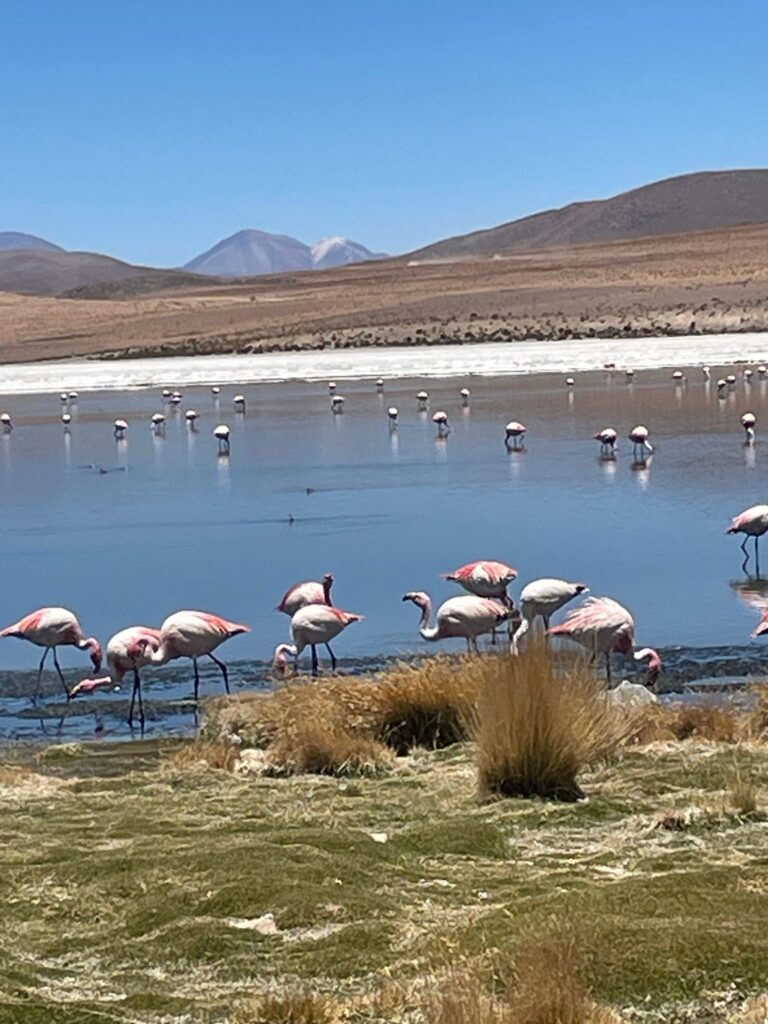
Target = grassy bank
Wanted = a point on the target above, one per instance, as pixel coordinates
(142, 884)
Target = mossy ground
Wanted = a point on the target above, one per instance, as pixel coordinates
(135, 889)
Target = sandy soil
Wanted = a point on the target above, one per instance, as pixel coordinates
(711, 282)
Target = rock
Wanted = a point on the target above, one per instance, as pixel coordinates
(632, 694)
(252, 762)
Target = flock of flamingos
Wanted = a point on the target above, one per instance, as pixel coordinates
(600, 625)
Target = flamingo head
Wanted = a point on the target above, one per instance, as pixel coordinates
(762, 628)
(655, 665)
(89, 685)
(580, 588)
(280, 659)
(96, 656)
(419, 598)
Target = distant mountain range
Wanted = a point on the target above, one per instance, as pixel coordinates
(251, 252)
(690, 202)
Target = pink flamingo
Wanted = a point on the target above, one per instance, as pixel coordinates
(543, 598)
(603, 626)
(302, 594)
(51, 628)
(312, 625)
(484, 578)
(607, 438)
(466, 616)
(752, 522)
(129, 650)
(192, 634)
(762, 628)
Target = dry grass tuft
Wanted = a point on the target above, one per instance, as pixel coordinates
(325, 748)
(742, 793)
(290, 1007)
(202, 753)
(753, 1011)
(536, 728)
(716, 723)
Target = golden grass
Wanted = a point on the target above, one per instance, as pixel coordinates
(201, 753)
(537, 728)
(325, 748)
(298, 1006)
(742, 793)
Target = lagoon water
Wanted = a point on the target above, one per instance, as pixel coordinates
(127, 532)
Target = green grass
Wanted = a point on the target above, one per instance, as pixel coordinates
(141, 895)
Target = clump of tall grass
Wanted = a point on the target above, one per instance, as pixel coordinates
(717, 723)
(292, 1006)
(536, 728)
(202, 753)
(742, 793)
(325, 748)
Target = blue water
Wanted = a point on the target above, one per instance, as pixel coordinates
(128, 532)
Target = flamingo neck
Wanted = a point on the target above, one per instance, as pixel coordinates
(327, 584)
(427, 631)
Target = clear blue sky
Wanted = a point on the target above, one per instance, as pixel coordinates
(151, 130)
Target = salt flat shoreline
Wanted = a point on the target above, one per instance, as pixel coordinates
(486, 359)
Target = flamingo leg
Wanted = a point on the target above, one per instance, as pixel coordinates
(136, 695)
(197, 678)
(61, 674)
(757, 557)
(223, 669)
(608, 665)
(469, 646)
(332, 657)
(745, 563)
(314, 659)
(40, 671)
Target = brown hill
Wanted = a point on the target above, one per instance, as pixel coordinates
(690, 202)
(52, 272)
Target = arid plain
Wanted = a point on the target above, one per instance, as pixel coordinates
(707, 282)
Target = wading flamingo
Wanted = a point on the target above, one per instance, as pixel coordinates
(7, 422)
(337, 404)
(640, 444)
(603, 626)
(748, 421)
(158, 422)
(607, 438)
(467, 616)
(543, 598)
(706, 372)
(569, 382)
(465, 393)
(422, 398)
(51, 628)
(379, 385)
(762, 628)
(514, 432)
(440, 419)
(221, 433)
(120, 428)
(312, 625)
(239, 403)
(192, 634)
(752, 522)
(392, 413)
(484, 578)
(309, 592)
(127, 651)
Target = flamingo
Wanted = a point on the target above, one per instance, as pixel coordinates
(721, 386)
(422, 398)
(7, 422)
(440, 419)
(392, 414)
(302, 594)
(51, 628)
(331, 386)
(569, 382)
(543, 598)
(191, 417)
(730, 380)
(193, 634)
(762, 370)
(73, 397)
(678, 377)
(166, 393)
(215, 391)
(639, 438)
(337, 404)
(752, 522)
(607, 438)
(221, 433)
(762, 628)
(312, 625)
(158, 422)
(603, 626)
(706, 372)
(465, 393)
(379, 385)
(64, 397)
(747, 375)
(66, 419)
(129, 650)
(467, 616)
(629, 374)
(484, 578)
(239, 403)
(514, 431)
(748, 421)
(120, 428)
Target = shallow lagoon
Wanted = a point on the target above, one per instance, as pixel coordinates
(127, 532)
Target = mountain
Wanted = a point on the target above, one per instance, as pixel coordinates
(248, 253)
(690, 202)
(53, 271)
(338, 252)
(18, 240)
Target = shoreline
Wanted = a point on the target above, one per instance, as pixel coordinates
(390, 362)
